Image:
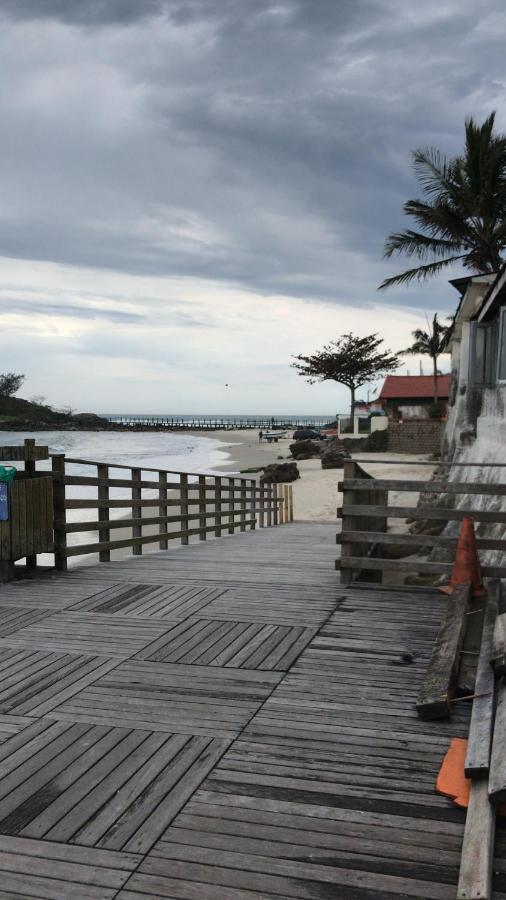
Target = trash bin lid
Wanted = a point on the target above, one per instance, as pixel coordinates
(7, 473)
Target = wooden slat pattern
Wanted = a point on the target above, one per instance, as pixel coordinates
(78, 633)
(274, 605)
(33, 870)
(95, 785)
(33, 682)
(12, 619)
(329, 791)
(191, 700)
(210, 780)
(239, 645)
(177, 601)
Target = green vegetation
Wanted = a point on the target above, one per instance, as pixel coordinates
(252, 470)
(10, 384)
(17, 414)
(463, 214)
(350, 360)
(429, 343)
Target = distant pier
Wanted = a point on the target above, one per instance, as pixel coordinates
(225, 423)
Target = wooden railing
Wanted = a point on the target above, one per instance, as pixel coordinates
(366, 512)
(163, 506)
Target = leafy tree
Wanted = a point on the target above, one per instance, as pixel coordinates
(350, 360)
(429, 343)
(10, 384)
(462, 217)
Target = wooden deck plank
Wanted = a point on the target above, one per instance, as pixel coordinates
(224, 722)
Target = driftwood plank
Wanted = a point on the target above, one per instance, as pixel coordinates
(433, 701)
(475, 878)
(480, 731)
(497, 777)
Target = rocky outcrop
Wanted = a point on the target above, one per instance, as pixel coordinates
(306, 449)
(280, 473)
(334, 457)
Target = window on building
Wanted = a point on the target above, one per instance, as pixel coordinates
(483, 358)
(501, 355)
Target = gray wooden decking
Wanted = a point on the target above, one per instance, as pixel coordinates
(222, 721)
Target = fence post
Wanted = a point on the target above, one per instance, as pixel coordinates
(275, 512)
(217, 506)
(162, 508)
(243, 504)
(202, 508)
(269, 505)
(183, 489)
(59, 515)
(290, 503)
(253, 486)
(104, 534)
(231, 505)
(137, 511)
(261, 515)
(31, 561)
(349, 471)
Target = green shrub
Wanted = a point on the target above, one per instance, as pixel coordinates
(377, 441)
(436, 410)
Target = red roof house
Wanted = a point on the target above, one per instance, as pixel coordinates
(411, 396)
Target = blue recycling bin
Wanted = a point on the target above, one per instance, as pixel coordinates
(7, 474)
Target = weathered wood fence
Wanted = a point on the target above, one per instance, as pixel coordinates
(164, 505)
(366, 514)
(149, 507)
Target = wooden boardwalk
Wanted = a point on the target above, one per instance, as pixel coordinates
(222, 721)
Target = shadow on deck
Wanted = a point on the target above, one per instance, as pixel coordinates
(221, 722)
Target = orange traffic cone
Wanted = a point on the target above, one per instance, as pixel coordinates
(466, 567)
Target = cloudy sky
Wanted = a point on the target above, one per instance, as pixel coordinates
(194, 190)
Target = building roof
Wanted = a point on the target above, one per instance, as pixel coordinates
(494, 298)
(414, 387)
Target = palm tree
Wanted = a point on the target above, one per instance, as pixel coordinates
(429, 343)
(463, 216)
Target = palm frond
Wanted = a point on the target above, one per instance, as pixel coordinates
(421, 273)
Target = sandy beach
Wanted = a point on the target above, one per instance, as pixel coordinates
(315, 493)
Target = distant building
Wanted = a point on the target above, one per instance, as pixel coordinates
(411, 396)
(366, 407)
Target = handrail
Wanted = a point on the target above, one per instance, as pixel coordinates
(217, 504)
(366, 542)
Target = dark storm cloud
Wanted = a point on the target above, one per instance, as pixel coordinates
(82, 12)
(265, 144)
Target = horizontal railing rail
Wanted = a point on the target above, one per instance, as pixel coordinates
(366, 543)
(173, 506)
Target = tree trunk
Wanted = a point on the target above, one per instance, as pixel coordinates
(352, 408)
(436, 392)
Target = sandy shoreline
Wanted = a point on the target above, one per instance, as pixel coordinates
(315, 493)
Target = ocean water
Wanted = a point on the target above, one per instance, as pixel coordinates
(157, 450)
(177, 452)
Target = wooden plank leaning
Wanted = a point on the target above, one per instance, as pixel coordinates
(475, 876)
(498, 655)
(433, 701)
(479, 744)
(497, 776)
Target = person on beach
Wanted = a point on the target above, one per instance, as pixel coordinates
(260, 436)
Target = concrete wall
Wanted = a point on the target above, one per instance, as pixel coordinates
(415, 436)
(376, 423)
